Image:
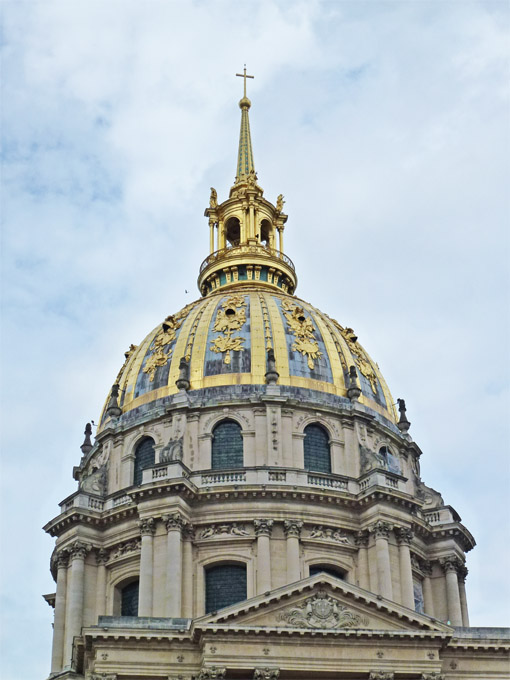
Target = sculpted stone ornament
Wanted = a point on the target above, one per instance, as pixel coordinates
(174, 522)
(361, 538)
(86, 447)
(212, 673)
(353, 390)
(404, 535)
(272, 374)
(279, 203)
(403, 424)
(450, 563)
(432, 676)
(266, 674)
(215, 530)
(381, 675)
(303, 330)
(182, 381)
(292, 527)
(381, 529)
(79, 550)
(102, 676)
(213, 200)
(147, 526)
(230, 318)
(173, 450)
(126, 547)
(101, 556)
(329, 533)
(263, 527)
(113, 410)
(322, 611)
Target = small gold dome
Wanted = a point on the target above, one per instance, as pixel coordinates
(244, 103)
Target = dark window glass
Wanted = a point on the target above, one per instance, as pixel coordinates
(332, 571)
(224, 585)
(317, 457)
(227, 446)
(129, 600)
(144, 458)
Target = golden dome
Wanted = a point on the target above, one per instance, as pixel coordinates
(225, 339)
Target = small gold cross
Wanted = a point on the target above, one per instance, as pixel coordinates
(243, 75)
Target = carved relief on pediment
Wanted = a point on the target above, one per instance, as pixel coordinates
(322, 611)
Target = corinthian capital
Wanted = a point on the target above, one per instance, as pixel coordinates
(101, 556)
(381, 675)
(212, 673)
(266, 674)
(174, 522)
(450, 563)
(62, 559)
(381, 529)
(404, 535)
(147, 526)
(361, 538)
(432, 676)
(292, 527)
(78, 550)
(263, 527)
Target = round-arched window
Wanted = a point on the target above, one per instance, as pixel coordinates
(233, 232)
(316, 446)
(129, 599)
(225, 584)
(227, 446)
(144, 458)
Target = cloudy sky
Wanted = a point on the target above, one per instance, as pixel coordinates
(386, 127)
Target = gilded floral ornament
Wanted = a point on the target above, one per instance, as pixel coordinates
(322, 611)
(359, 355)
(303, 329)
(166, 335)
(230, 317)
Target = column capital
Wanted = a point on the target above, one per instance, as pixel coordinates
(462, 572)
(102, 556)
(62, 559)
(426, 568)
(147, 526)
(404, 535)
(361, 538)
(292, 527)
(79, 550)
(450, 563)
(211, 673)
(266, 674)
(103, 676)
(432, 676)
(174, 522)
(381, 675)
(381, 529)
(263, 527)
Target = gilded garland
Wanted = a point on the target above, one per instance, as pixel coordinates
(303, 330)
(165, 337)
(359, 355)
(230, 318)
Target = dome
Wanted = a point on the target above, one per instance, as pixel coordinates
(225, 339)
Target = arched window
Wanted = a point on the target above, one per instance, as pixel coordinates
(233, 232)
(388, 460)
(327, 569)
(144, 458)
(316, 445)
(227, 446)
(129, 599)
(266, 233)
(225, 584)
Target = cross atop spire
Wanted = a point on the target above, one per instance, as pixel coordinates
(243, 75)
(245, 165)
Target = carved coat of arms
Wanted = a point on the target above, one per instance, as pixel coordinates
(322, 611)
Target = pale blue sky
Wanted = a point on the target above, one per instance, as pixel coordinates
(384, 124)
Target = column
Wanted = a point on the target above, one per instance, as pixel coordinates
(450, 565)
(75, 598)
(381, 532)
(428, 598)
(59, 620)
(187, 571)
(404, 538)
(147, 528)
(263, 529)
(101, 559)
(211, 236)
(292, 528)
(174, 524)
(280, 232)
(462, 572)
(361, 539)
(221, 235)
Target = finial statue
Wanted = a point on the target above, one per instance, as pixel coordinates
(87, 442)
(182, 381)
(252, 178)
(213, 201)
(272, 374)
(403, 424)
(130, 350)
(113, 409)
(279, 203)
(353, 390)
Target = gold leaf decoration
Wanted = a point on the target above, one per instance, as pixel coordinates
(229, 318)
(165, 336)
(303, 330)
(360, 357)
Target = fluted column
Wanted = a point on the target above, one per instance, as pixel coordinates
(461, 574)
(174, 525)
(450, 565)
(75, 595)
(101, 559)
(428, 599)
(292, 528)
(263, 529)
(381, 532)
(59, 619)
(363, 572)
(404, 538)
(147, 528)
(187, 571)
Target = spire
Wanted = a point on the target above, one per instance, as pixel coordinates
(245, 165)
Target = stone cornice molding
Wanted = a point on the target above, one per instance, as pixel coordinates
(381, 529)
(147, 526)
(404, 535)
(292, 527)
(266, 674)
(263, 527)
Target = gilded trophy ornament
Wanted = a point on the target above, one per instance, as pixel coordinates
(303, 330)
(230, 318)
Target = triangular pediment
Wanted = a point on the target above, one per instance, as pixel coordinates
(324, 603)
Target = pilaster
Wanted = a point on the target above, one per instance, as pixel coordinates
(147, 529)
(292, 528)
(263, 530)
(381, 532)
